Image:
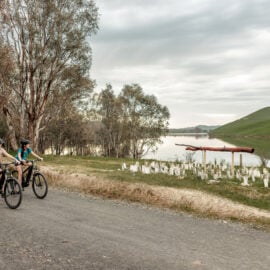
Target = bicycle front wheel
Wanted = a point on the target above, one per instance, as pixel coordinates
(40, 185)
(12, 193)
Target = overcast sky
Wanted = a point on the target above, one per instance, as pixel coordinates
(208, 61)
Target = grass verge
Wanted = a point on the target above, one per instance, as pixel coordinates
(100, 176)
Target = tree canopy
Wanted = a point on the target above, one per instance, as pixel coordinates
(51, 53)
(133, 121)
(45, 85)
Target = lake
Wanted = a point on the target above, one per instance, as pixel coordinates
(168, 151)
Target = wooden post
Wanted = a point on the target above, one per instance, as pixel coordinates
(241, 161)
(204, 161)
(232, 168)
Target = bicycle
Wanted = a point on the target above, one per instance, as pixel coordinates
(39, 181)
(12, 192)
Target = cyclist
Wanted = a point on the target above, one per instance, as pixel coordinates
(3, 153)
(22, 155)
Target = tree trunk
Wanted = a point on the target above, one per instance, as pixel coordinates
(11, 135)
(12, 138)
(34, 131)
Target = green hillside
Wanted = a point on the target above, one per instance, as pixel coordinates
(256, 124)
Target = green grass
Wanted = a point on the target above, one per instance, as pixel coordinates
(255, 195)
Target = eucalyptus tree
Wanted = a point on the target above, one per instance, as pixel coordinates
(144, 119)
(50, 41)
(3, 128)
(68, 130)
(67, 126)
(111, 132)
(8, 104)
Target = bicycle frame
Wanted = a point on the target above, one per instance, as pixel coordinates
(29, 170)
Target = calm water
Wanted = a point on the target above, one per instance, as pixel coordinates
(168, 151)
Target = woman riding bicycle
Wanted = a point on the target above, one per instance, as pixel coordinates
(3, 153)
(22, 155)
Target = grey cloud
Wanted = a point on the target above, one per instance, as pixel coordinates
(187, 52)
(215, 21)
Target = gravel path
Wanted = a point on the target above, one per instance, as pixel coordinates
(69, 231)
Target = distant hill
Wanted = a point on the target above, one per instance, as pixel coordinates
(256, 124)
(197, 129)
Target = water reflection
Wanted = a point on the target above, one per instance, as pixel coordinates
(168, 151)
(261, 146)
(196, 135)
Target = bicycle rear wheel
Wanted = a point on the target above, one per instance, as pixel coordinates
(40, 185)
(12, 193)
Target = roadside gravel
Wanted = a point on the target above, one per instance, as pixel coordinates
(71, 231)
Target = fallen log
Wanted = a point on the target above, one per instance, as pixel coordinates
(217, 149)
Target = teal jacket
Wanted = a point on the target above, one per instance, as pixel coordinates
(25, 153)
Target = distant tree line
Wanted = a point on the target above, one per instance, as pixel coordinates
(126, 125)
(47, 96)
(196, 129)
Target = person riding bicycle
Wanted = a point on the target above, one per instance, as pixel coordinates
(3, 153)
(22, 155)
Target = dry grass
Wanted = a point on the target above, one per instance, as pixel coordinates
(195, 201)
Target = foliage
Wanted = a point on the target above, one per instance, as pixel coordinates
(145, 119)
(8, 103)
(132, 122)
(65, 130)
(111, 133)
(45, 85)
(52, 54)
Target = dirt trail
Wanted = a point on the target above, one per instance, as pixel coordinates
(71, 231)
